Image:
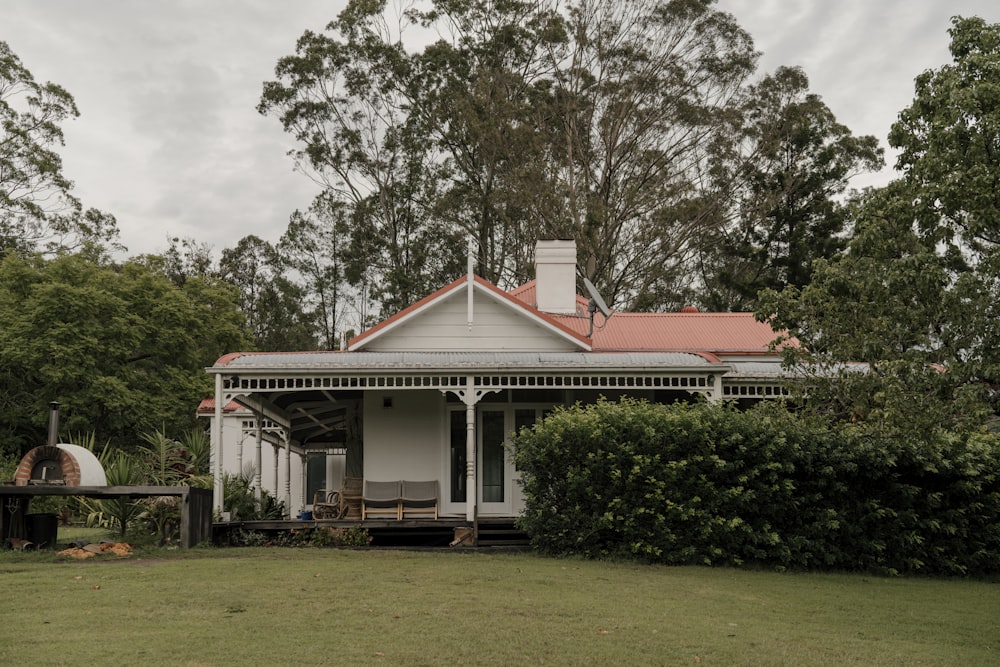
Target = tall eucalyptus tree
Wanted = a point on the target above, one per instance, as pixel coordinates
(640, 91)
(38, 211)
(510, 120)
(269, 299)
(340, 96)
(314, 246)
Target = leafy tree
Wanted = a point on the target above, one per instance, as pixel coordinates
(270, 301)
(780, 173)
(949, 150)
(120, 347)
(37, 208)
(523, 120)
(876, 326)
(340, 99)
(314, 246)
(914, 299)
(641, 90)
(949, 140)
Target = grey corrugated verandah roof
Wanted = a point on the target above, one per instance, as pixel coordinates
(480, 362)
(297, 363)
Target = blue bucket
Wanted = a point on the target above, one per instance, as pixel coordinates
(306, 516)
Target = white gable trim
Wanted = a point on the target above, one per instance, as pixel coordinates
(480, 289)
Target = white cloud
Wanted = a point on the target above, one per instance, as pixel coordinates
(861, 56)
(169, 139)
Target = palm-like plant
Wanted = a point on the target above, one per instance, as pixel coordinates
(163, 460)
(121, 469)
(160, 461)
(241, 502)
(171, 462)
(199, 450)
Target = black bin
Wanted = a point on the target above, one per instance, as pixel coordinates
(42, 529)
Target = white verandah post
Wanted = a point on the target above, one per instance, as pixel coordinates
(275, 449)
(470, 399)
(258, 491)
(288, 472)
(470, 457)
(216, 445)
(330, 472)
(303, 480)
(239, 451)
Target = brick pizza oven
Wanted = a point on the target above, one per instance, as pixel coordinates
(60, 465)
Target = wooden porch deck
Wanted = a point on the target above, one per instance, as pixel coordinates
(441, 532)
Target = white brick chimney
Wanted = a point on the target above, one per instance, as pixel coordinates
(555, 276)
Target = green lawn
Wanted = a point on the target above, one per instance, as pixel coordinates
(387, 607)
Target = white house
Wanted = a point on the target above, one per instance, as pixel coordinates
(434, 392)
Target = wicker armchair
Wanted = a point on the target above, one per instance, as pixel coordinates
(343, 503)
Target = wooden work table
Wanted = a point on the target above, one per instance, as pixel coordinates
(195, 504)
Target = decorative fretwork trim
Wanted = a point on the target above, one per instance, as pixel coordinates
(754, 391)
(249, 427)
(700, 383)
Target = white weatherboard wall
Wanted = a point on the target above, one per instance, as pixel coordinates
(496, 327)
(404, 441)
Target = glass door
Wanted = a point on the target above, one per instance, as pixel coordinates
(494, 476)
(456, 457)
(498, 491)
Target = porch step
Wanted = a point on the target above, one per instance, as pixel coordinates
(501, 534)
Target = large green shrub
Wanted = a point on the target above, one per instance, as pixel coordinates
(709, 484)
(931, 505)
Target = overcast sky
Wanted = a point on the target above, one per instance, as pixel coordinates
(170, 142)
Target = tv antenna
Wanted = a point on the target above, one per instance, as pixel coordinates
(595, 304)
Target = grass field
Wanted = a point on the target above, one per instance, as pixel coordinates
(311, 606)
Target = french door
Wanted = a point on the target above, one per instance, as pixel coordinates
(495, 473)
(496, 477)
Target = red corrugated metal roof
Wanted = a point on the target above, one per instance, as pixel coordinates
(207, 406)
(227, 359)
(703, 333)
(730, 333)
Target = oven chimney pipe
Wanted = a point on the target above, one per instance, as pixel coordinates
(53, 423)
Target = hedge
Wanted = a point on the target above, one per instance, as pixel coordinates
(708, 484)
